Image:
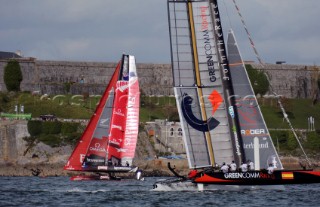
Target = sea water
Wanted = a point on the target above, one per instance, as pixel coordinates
(60, 191)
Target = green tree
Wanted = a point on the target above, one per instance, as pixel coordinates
(13, 75)
(67, 128)
(51, 127)
(258, 79)
(292, 142)
(34, 128)
(313, 141)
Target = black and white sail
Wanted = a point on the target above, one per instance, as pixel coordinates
(200, 80)
(257, 143)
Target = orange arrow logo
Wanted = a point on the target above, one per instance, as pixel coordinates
(216, 100)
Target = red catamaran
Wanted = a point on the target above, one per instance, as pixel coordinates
(108, 144)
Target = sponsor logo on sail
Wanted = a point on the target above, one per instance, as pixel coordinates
(103, 122)
(253, 131)
(122, 150)
(97, 148)
(127, 142)
(236, 139)
(115, 141)
(82, 156)
(192, 120)
(116, 127)
(231, 111)
(207, 43)
(122, 85)
(95, 160)
(119, 112)
(251, 145)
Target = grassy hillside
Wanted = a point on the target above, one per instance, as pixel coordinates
(298, 111)
(82, 107)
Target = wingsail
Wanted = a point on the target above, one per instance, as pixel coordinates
(197, 66)
(109, 141)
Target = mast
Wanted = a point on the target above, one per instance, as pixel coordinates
(198, 82)
(227, 82)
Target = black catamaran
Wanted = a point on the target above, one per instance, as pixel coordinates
(219, 113)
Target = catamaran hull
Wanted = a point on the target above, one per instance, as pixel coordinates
(237, 181)
(191, 186)
(93, 177)
(260, 178)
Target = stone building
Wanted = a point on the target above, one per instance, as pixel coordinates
(167, 136)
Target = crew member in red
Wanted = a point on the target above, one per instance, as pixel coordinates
(192, 174)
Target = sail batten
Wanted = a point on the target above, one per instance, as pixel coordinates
(198, 82)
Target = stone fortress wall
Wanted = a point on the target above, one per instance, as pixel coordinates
(291, 81)
(50, 77)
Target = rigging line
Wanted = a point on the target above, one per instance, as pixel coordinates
(285, 115)
(227, 12)
(248, 34)
(291, 127)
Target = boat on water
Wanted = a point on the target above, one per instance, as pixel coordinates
(107, 145)
(219, 113)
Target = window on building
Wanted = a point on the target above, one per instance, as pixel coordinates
(171, 132)
(179, 132)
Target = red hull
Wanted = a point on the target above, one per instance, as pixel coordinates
(93, 177)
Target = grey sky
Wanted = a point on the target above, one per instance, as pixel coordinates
(101, 30)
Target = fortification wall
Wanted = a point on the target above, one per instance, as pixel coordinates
(291, 81)
(50, 77)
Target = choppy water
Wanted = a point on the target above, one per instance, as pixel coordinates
(60, 191)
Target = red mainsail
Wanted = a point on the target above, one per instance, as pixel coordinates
(109, 141)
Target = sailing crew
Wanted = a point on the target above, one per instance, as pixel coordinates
(250, 165)
(224, 168)
(193, 173)
(270, 169)
(244, 167)
(109, 162)
(233, 166)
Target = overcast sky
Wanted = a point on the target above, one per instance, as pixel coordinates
(101, 30)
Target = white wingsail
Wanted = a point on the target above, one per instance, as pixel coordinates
(198, 82)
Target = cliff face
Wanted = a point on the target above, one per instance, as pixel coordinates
(17, 159)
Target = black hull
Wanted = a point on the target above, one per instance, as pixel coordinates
(259, 178)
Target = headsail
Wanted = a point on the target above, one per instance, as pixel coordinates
(199, 76)
(257, 143)
(111, 135)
